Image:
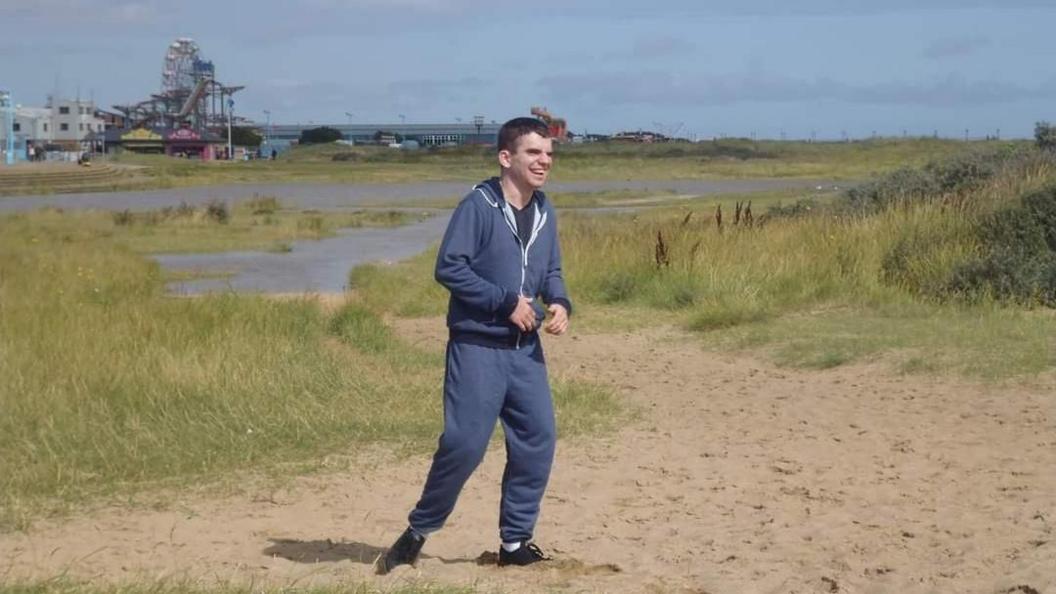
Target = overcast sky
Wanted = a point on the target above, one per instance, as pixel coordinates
(697, 67)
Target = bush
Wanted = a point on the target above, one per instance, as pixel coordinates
(1019, 254)
(954, 178)
(320, 135)
(123, 217)
(263, 205)
(963, 174)
(1045, 136)
(216, 210)
(800, 208)
(898, 187)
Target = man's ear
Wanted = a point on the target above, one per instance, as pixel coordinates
(504, 158)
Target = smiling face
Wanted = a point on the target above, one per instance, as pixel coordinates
(528, 164)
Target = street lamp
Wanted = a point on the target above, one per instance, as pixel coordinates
(230, 112)
(8, 107)
(267, 127)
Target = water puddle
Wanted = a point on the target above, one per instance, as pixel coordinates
(312, 266)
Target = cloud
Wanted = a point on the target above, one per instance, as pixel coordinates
(665, 88)
(654, 47)
(330, 96)
(80, 12)
(955, 46)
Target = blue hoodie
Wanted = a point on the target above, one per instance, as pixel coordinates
(485, 267)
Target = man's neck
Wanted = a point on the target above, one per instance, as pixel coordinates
(517, 196)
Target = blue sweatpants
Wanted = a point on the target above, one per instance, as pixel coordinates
(482, 385)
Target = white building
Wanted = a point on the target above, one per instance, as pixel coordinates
(72, 122)
(64, 122)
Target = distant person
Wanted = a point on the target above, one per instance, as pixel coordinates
(274, 154)
(499, 255)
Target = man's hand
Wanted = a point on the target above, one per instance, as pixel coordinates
(558, 323)
(523, 315)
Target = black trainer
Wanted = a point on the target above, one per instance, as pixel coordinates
(526, 554)
(403, 552)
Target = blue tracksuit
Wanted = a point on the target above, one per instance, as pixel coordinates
(494, 371)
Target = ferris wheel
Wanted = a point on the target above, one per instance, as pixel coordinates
(181, 66)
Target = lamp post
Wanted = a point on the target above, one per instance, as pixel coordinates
(8, 108)
(230, 112)
(267, 127)
(478, 121)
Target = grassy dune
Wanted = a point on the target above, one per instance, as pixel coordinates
(817, 290)
(109, 387)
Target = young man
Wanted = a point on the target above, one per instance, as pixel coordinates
(498, 258)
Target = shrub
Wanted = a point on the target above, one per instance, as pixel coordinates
(123, 217)
(320, 135)
(898, 187)
(312, 223)
(964, 173)
(1019, 253)
(800, 208)
(216, 210)
(1045, 136)
(263, 205)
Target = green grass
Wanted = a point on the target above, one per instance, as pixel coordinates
(729, 158)
(815, 291)
(109, 387)
(987, 342)
(192, 229)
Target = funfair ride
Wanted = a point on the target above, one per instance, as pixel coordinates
(558, 127)
(190, 96)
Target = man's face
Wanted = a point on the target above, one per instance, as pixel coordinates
(530, 160)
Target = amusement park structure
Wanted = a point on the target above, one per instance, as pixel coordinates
(558, 127)
(190, 96)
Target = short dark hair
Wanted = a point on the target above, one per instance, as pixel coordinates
(518, 127)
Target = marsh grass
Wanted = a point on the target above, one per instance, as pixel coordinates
(819, 290)
(257, 224)
(109, 387)
(728, 158)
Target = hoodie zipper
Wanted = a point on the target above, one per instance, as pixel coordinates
(538, 221)
(537, 224)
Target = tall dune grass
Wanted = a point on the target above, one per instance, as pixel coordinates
(782, 280)
(109, 386)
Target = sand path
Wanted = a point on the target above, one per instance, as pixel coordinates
(736, 476)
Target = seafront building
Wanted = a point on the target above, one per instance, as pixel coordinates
(62, 125)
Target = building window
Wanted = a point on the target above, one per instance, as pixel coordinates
(99, 127)
(64, 110)
(45, 127)
(64, 127)
(18, 127)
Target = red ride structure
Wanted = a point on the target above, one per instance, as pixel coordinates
(558, 127)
